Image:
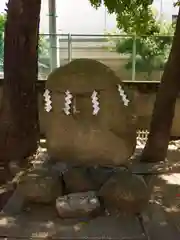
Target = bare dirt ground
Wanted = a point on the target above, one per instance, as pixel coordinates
(161, 219)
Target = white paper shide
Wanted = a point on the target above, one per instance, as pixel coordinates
(123, 96)
(48, 102)
(95, 103)
(68, 102)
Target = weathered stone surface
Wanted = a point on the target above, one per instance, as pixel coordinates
(78, 179)
(108, 138)
(77, 205)
(5, 174)
(40, 185)
(126, 192)
(5, 194)
(15, 204)
(60, 167)
(14, 167)
(100, 175)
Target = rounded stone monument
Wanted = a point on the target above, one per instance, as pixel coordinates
(89, 118)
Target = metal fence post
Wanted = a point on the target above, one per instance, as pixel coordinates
(69, 47)
(134, 59)
(52, 33)
(58, 51)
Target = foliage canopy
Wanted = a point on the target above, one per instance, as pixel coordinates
(151, 52)
(2, 24)
(152, 43)
(129, 13)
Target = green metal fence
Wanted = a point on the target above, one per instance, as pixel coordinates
(133, 58)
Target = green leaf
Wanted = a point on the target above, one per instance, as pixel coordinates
(153, 41)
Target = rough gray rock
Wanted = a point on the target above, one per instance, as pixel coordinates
(125, 192)
(40, 185)
(14, 168)
(5, 174)
(100, 175)
(60, 167)
(78, 179)
(77, 205)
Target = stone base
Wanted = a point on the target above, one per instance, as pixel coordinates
(77, 205)
(125, 192)
(5, 174)
(40, 185)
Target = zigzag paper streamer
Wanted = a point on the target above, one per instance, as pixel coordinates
(123, 96)
(68, 101)
(95, 103)
(47, 99)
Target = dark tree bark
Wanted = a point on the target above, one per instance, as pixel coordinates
(19, 130)
(163, 113)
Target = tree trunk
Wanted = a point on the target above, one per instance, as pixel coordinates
(163, 113)
(19, 130)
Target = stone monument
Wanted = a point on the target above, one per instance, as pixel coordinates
(89, 117)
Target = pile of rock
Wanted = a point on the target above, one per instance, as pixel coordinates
(90, 117)
(90, 120)
(78, 191)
